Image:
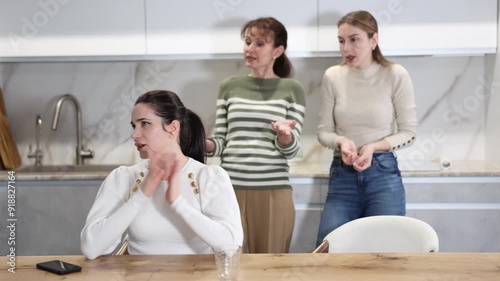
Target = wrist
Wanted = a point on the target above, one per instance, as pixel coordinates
(284, 140)
(340, 141)
(209, 145)
(370, 147)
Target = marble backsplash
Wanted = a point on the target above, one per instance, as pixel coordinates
(451, 93)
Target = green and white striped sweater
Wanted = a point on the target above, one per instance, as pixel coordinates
(243, 136)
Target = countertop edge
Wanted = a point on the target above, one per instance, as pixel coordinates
(301, 170)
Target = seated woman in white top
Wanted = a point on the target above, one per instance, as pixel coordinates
(171, 203)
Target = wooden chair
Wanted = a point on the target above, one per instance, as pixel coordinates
(122, 249)
(322, 248)
(381, 234)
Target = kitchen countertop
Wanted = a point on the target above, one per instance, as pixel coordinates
(59, 176)
(297, 170)
(458, 169)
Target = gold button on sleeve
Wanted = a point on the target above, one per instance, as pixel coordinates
(134, 189)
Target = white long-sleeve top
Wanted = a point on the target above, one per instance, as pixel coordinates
(205, 215)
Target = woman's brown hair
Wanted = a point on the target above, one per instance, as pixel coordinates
(271, 26)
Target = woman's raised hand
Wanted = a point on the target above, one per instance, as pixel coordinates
(166, 166)
(283, 129)
(153, 178)
(172, 167)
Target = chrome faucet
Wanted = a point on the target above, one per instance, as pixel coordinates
(81, 153)
(38, 154)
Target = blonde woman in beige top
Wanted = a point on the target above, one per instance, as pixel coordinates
(367, 112)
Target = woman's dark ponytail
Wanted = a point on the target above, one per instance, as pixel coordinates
(192, 137)
(282, 66)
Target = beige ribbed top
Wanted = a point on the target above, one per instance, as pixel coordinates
(367, 106)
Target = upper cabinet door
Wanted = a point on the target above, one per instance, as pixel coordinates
(423, 27)
(72, 28)
(212, 28)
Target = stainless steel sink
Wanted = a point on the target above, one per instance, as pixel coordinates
(68, 169)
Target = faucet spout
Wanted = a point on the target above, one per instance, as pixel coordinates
(81, 153)
(38, 155)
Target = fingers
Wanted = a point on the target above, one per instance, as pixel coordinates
(165, 166)
(174, 169)
(359, 163)
(360, 168)
(362, 163)
(287, 123)
(349, 157)
(167, 162)
(156, 175)
(349, 152)
(291, 123)
(152, 180)
(284, 127)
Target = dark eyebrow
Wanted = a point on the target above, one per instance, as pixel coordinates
(139, 120)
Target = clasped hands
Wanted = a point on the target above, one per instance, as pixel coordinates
(167, 167)
(350, 156)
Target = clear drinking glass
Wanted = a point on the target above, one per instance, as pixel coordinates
(227, 259)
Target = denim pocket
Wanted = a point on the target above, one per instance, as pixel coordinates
(386, 163)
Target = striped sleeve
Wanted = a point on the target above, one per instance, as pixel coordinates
(221, 122)
(295, 111)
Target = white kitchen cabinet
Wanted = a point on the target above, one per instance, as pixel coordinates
(50, 215)
(65, 28)
(464, 211)
(201, 28)
(154, 29)
(424, 27)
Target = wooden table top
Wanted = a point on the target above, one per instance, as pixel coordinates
(352, 267)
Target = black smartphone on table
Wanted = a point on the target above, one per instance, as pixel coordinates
(58, 267)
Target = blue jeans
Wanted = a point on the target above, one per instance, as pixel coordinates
(377, 190)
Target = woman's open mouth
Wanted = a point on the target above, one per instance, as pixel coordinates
(349, 58)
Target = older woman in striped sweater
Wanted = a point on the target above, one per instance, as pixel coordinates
(258, 126)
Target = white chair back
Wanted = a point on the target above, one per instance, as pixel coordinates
(383, 234)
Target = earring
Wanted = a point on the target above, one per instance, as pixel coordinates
(274, 57)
